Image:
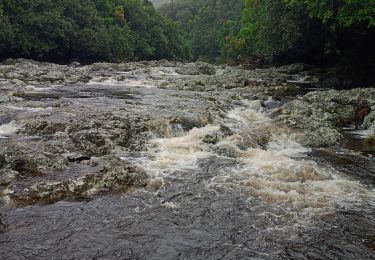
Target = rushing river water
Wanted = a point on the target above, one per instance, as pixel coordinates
(240, 187)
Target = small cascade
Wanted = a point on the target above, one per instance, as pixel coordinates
(272, 165)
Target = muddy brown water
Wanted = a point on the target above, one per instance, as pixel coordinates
(233, 198)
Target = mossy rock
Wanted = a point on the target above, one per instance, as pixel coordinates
(90, 142)
(319, 115)
(117, 176)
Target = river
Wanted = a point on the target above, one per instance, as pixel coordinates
(224, 179)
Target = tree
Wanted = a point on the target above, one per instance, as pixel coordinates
(206, 24)
(6, 32)
(278, 32)
(352, 25)
(87, 30)
(344, 13)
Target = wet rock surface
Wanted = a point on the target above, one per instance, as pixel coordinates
(166, 160)
(320, 115)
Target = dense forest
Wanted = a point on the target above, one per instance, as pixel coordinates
(209, 24)
(339, 34)
(87, 30)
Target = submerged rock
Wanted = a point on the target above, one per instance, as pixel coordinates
(272, 103)
(211, 139)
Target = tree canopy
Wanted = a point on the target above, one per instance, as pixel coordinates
(282, 31)
(276, 31)
(343, 13)
(206, 22)
(88, 30)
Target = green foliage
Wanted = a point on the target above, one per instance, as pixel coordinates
(282, 31)
(6, 32)
(351, 24)
(273, 30)
(338, 33)
(344, 13)
(206, 22)
(87, 30)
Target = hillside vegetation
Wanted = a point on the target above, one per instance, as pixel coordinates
(87, 30)
(327, 33)
(324, 32)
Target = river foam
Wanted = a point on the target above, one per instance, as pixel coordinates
(171, 154)
(273, 166)
(281, 173)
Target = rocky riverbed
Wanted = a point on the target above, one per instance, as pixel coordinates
(168, 160)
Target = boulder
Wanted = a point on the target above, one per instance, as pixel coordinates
(198, 68)
(117, 175)
(272, 103)
(362, 110)
(320, 115)
(90, 142)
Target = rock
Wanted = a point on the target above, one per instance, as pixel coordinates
(116, 176)
(42, 127)
(225, 151)
(197, 68)
(3, 222)
(15, 160)
(369, 119)
(75, 64)
(206, 69)
(226, 130)
(6, 176)
(250, 83)
(156, 184)
(294, 68)
(28, 161)
(205, 118)
(371, 130)
(90, 142)
(76, 157)
(211, 139)
(217, 136)
(362, 110)
(272, 103)
(4, 98)
(12, 61)
(172, 126)
(261, 82)
(6, 118)
(319, 115)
